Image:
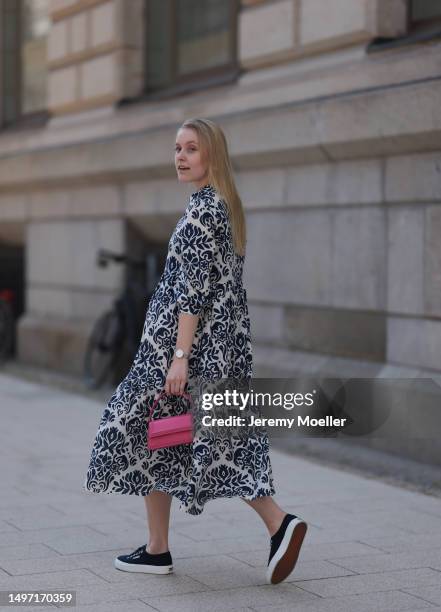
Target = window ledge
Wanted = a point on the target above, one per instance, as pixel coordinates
(191, 87)
(26, 122)
(419, 36)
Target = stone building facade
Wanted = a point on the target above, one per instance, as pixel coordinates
(332, 111)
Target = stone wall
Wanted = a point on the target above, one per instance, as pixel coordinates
(97, 48)
(95, 53)
(289, 29)
(337, 158)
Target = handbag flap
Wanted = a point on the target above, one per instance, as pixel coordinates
(173, 424)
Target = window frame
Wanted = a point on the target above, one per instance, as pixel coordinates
(21, 120)
(413, 23)
(417, 32)
(199, 79)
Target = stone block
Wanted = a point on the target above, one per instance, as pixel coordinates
(78, 24)
(103, 23)
(287, 137)
(285, 362)
(160, 195)
(359, 258)
(414, 342)
(53, 343)
(266, 29)
(266, 323)
(291, 255)
(42, 266)
(382, 122)
(49, 204)
(95, 201)
(76, 245)
(346, 333)
(390, 17)
(345, 182)
(263, 188)
(72, 303)
(405, 260)
(131, 26)
(57, 40)
(13, 206)
(413, 178)
(98, 76)
(322, 22)
(432, 259)
(62, 86)
(12, 232)
(48, 302)
(130, 72)
(58, 5)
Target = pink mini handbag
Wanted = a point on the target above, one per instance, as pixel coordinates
(169, 431)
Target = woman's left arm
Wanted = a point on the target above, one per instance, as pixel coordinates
(194, 288)
(177, 375)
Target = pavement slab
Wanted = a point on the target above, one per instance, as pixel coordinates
(370, 545)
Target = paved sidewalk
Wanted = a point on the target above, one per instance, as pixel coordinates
(370, 546)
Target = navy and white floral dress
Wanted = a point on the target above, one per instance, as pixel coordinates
(202, 275)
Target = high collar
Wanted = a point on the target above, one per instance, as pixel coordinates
(206, 189)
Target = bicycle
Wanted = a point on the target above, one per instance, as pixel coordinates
(122, 325)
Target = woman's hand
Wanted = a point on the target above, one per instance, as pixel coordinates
(177, 377)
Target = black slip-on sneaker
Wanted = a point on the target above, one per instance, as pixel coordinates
(142, 561)
(285, 548)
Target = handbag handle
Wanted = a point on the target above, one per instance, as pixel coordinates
(155, 403)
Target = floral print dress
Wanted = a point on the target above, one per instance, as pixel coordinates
(203, 276)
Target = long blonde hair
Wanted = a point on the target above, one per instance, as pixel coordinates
(220, 175)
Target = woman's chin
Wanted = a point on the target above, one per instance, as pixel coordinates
(184, 179)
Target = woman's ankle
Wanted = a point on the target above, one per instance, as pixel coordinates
(276, 524)
(156, 549)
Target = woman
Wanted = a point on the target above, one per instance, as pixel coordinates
(197, 325)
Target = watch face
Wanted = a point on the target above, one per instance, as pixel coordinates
(179, 353)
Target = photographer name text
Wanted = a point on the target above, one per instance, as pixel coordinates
(299, 421)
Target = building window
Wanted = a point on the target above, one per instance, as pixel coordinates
(10, 66)
(423, 26)
(425, 11)
(35, 29)
(189, 41)
(24, 27)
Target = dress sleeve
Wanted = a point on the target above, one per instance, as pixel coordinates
(198, 245)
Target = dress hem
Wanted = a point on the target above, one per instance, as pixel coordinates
(188, 510)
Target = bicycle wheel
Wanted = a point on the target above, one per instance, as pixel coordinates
(102, 349)
(6, 329)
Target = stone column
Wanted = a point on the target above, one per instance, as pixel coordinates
(65, 289)
(95, 53)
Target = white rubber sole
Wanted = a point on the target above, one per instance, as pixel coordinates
(285, 559)
(143, 569)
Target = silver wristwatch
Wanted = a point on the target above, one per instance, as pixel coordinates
(180, 354)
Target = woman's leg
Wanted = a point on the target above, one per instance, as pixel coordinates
(271, 514)
(158, 505)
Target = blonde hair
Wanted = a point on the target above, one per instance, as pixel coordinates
(214, 147)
